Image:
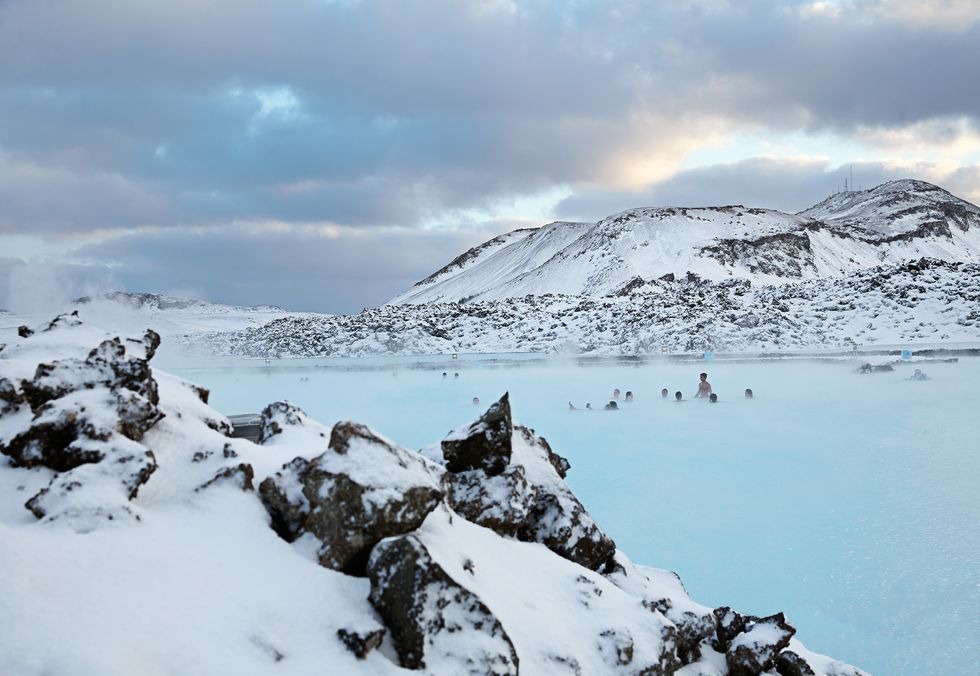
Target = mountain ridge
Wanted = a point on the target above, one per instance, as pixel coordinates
(892, 223)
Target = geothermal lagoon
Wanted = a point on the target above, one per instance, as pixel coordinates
(849, 501)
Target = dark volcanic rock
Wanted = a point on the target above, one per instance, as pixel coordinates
(755, 650)
(485, 444)
(361, 642)
(431, 617)
(25, 331)
(557, 519)
(240, 476)
(363, 489)
(500, 503)
(790, 664)
(88, 417)
(277, 415)
(730, 624)
(10, 398)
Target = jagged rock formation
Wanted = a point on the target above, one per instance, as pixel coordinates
(430, 615)
(337, 499)
(84, 419)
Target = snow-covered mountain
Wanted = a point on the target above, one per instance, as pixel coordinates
(137, 530)
(892, 223)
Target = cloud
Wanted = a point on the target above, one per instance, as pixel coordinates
(373, 113)
(312, 268)
(787, 184)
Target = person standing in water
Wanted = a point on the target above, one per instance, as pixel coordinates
(748, 392)
(704, 388)
(678, 396)
(664, 393)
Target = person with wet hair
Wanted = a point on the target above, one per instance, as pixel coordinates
(664, 393)
(443, 374)
(713, 398)
(612, 406)
(629, 395)
(678, 396)
(704, 388)
(748, 392)
(456, 375)
(616, 394)
(476, 401)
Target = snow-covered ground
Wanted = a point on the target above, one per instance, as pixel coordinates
(154, 543)
(924, 302)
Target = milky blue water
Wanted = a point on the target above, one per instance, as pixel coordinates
(851, 502)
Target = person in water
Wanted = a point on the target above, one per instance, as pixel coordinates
(612, 406)
(678, 396)
(704, 388)
(616, 394)
(919, 375)
(571, 407)
(629, 395)
(713, 398)
(664, 393)
(748, 392)
(476, 401)
(588, 406)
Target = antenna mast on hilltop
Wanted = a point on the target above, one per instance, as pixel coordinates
(852, 177)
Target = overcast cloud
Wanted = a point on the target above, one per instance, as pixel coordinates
(169, 142)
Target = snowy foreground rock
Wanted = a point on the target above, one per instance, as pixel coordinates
(925, 301)
(154, 542)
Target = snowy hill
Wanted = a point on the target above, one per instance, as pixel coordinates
(927, 301)
(317, 549)
(892, 223)
(170, 315)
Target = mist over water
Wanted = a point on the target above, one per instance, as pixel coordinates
(848, 501)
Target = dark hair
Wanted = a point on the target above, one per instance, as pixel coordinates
(664, 392)
(713, 397)
(748, 392)
(678, 396)
(704, 375)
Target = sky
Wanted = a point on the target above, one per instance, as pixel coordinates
(324, 155)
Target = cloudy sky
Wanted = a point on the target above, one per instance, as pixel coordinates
(326, 154)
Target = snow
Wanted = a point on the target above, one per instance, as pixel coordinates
(926, 302)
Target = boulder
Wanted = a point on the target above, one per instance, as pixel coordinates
(484, 444)
(790, 664)
(93, 493)
(362, 489)
(435, 623)
(361, 641)
(85, 420)
(240, 476)
(729, 624)
(755, 650)
(557, 519)
(501, 502)
(276, 416)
